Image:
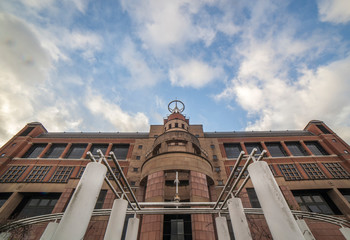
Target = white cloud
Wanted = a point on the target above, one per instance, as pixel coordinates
(335, 11)
(121, 120)
(193, 73)
(138, 67)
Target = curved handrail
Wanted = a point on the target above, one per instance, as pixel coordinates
(106, 212)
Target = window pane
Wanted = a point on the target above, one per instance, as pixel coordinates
(316, 148)
(296, 149)
(232, 150)
(251, 146)
(276, 149)
(55, 151)
(34, 151)
(120, 150)
(95, 147)
(76, 151)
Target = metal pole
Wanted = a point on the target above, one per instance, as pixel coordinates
(278, 216)
(77, 216)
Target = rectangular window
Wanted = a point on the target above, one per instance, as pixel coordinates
(290, 172)
(140, 147)
(253, 198)
(27, 131)
(337, 170)
(296, 149)
(346, 194)
(81, 171)
(95, 147)
(35, 150)
(12, 174)
(35, 204)
(76, 151)
(176, 125)
(138, 157)
(3, 198)
(215, 157)
(177, 227)
(37, 174)
(62, 174)
(316, 201)
(116, 173)
(101, 199)
(135, 169)
(232, 150)
(313, 171)
(273, 170)
(120, 150)
(316, 148)
(276, 149)
(212, 146)
(55, 151)
(323, 129)
(238, 170)
(251, 146)
(217, 169)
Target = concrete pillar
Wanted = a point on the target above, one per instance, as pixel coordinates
(222, 228)
(278, 216)
(238, 219)
(116, 220)
(340, 201)
(345, 232)
(305, 229)
(77, 216)
(133, 229)
(49, 231)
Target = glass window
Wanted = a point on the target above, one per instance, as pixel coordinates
(76, 151)
(177, 227)
(290, 172)
(81, 171)
(238, 170)
(215, 157)
(3, 198)
(95, 147)
(313, 171)
(12, 174)
(37, 174)
(138, 157)
(253, 198)
(135, 169)
(217, 169)
(276, 149)
(176, 125)
(337, 170)
(346, 194)
(36, 204)
(296, 149)
(55, 151)
(251, 146)
(212, 146)
(232, 150)
(116, 173)
(323, 129)
(140, 147)
(27, 131)
(273, 170)
(120, 150)
(316, 148)
(315, 201)
(101, 199)
(62, 174)
(35, 150)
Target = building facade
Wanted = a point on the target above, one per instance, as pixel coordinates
(39, 172)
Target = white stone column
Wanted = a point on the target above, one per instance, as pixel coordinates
(49, 231)
(133, 229)
(116, 220)
(305, 229)
(278, 216)
(222, 228)
(77, 216)
(345, 232)
(238, 219)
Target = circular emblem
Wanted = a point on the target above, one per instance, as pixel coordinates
(176, 109)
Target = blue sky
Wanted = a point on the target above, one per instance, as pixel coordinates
(79, 65)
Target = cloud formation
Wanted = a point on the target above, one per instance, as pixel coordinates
(335, 11)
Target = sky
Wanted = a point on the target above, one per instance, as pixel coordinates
(80, 65)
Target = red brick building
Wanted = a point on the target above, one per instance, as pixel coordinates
(39, 171)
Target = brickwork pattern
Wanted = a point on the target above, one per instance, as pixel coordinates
(202, 224)
(152, 225)
(96, 229)
(63, 200)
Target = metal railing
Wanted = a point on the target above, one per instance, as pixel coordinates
(148, 211)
